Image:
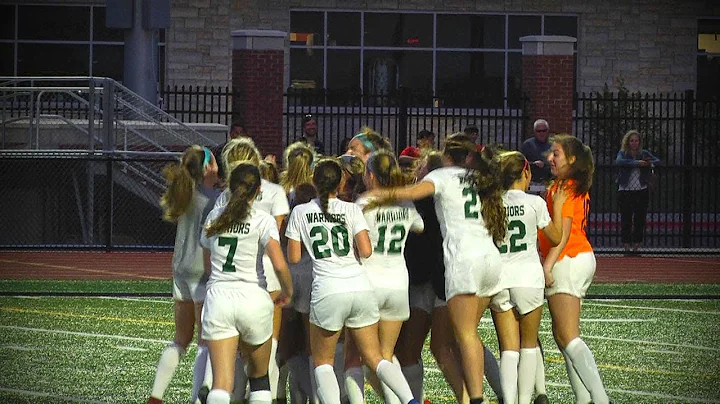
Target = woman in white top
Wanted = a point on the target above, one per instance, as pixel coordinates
(468, 202)
(389, 224)
(238, 312)
(270, 199)
(333, 231)
(187, 201)
(517, 309)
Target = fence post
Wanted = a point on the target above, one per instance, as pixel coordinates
(687, 186)
(110, 204)
(402, 140)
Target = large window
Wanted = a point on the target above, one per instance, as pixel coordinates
(68, 40)
(462, 59)
(708, 58)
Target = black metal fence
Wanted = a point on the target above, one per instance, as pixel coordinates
(400, 116)
(198, 104)
(684, 208)
(67, 199)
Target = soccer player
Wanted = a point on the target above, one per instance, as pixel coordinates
(468, 202)
(517, 309)
(389, 223)
(333, 231)
(239, 311)
(187, 201)
(569, 267)
(271, 199)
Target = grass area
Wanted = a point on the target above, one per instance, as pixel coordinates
(165, 286)
(56, 349)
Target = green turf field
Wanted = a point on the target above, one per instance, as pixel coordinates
(90, 349)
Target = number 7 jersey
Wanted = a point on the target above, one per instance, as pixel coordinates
(519, 252)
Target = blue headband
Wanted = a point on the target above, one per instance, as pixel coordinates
(365, 141)
(206, 162)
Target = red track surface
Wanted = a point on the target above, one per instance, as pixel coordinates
(152, 265)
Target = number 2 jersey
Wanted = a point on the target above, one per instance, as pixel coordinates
(389, 228)
(236, 254)
(519, 252)
(330, 240)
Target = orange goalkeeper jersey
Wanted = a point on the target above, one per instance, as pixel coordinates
(578, 208)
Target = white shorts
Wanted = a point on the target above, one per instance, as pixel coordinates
(478, 275)
(393, 304)
(524, 300)
(189, 287)
(245, 310)
(302, 288)
(573, 275)
(273, 283)
(351, 309)
(422, 297)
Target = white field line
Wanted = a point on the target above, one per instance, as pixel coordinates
(130, 348)
(85, 334)
(642, 341)
(16, 347)
(133, 299)
(623, 306)
(646, 394)
(661, 351)
(594, 320)
(51, 396)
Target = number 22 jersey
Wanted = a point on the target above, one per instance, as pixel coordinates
(521, 262)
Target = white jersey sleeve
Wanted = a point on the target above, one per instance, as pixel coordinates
(358, 220)
(206, 241)
(268, 230)
(272, 199)
(541, 211)
(292, 231)
(417, 223)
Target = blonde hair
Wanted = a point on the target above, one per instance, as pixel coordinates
(269, 171)
(181, 179)
(375, 139)
(241, 148)
(512, 166)
(625, 144)
(383, 165)
(244, 184)
(298, 159)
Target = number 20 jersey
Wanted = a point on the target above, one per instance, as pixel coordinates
(521, 262)
(330, 240)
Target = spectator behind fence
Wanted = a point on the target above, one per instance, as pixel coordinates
(635, 169)
(472, 132)
(425, 140)
(237, 129)
(310, 134)
(536, 150)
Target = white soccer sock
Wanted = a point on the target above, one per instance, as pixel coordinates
(314, 398)
(328, 389)
(201, 361)
(218, 396)
(241, 379)
(391, 375)
(260, 397)
(509, 375)
(526, 374)
(355, 385)
(584, 363)
(492, 372)
(414, 376)
(582, 395)
(169, 360)
(540, 372)
(273, 369)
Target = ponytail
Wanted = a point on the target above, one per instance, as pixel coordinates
(181, 179)
(383, 165)
(298, 160)
(486, 180)
(326, 179)
(244, 185)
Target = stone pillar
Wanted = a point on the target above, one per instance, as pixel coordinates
(547, 79)
(258, 67)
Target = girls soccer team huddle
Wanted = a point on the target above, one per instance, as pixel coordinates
(338, 272)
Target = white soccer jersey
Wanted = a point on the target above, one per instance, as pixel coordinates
(271, 199)
(237, 253)
(521, 262)
(458, 209)
(330, 240)
(389, 227)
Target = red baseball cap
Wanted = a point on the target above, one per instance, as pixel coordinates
(410, 153)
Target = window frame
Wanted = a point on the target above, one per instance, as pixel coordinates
(362, 48)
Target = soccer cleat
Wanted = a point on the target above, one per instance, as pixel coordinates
(203, 393)
(541, 399)
(153, 400)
